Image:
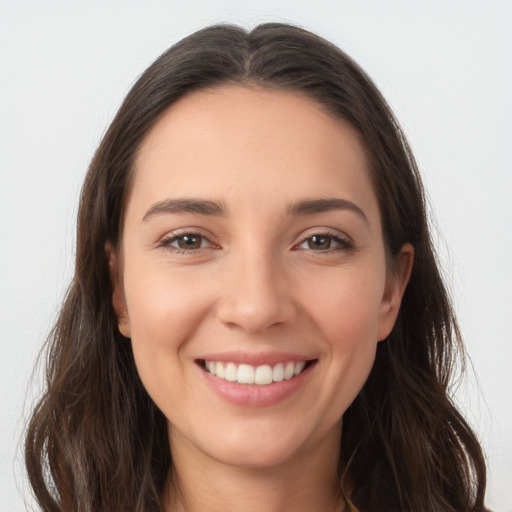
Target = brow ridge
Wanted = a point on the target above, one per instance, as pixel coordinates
(185, 205)
(208, 207)
(321, 205)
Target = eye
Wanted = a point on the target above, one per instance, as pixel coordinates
(324, 242)
(186, 242)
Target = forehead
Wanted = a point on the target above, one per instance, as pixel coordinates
(234, 141)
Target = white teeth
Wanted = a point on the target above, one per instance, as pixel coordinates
(259, 375)
(278, 372)
(219, 370)
(231, 371)
(245, 374)
(299, 367)
(263, 375)
(288, 371)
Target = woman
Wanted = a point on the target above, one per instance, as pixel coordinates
(257, 319)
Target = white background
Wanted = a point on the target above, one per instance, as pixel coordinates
(446, 69)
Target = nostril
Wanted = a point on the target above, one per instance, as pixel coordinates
(254, 305)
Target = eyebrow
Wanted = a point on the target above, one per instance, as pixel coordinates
(311, 206)
(188, 205)
(206, 207)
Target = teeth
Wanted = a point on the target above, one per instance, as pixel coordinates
(299, 367)
(278, 372)
(219, 370)
(245, 374)
(259, 375)
(263, 375)
(231, 371)
(288, 371)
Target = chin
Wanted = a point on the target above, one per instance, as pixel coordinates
(262, 444)
(255, 456)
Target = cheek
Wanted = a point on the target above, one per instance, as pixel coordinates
(164, 303)
(346, 302)
(164, 309)
(346, 310)
(350, 326)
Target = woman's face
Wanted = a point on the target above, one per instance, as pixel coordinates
(252, 250)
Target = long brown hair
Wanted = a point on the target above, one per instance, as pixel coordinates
(96, 441)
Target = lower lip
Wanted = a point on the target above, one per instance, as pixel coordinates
(253, 395)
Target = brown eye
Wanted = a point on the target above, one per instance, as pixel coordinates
(189, 242)
(319, 242)
(325, 242)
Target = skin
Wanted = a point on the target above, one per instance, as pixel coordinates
(257, 284)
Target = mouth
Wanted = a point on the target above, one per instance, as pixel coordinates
(261, 375)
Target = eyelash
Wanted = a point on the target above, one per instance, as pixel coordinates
(166, 243)
(344, 244)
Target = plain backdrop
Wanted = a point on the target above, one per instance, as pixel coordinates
(445, 68)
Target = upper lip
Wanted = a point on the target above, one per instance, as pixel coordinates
(255, 359)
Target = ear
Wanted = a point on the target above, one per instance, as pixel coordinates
(118, 297)
(394, 291)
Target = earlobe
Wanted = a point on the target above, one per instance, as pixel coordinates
(118, 298)
(395, 288)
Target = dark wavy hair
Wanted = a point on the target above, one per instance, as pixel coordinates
(96, 442)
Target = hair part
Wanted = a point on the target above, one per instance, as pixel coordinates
(97, 442)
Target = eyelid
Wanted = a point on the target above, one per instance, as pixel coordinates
(170, 237)
(342, 239)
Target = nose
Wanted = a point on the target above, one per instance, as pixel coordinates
(256, 294)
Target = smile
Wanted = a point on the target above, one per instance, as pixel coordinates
(262, 375)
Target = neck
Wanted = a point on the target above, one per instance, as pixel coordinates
(305, 483)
